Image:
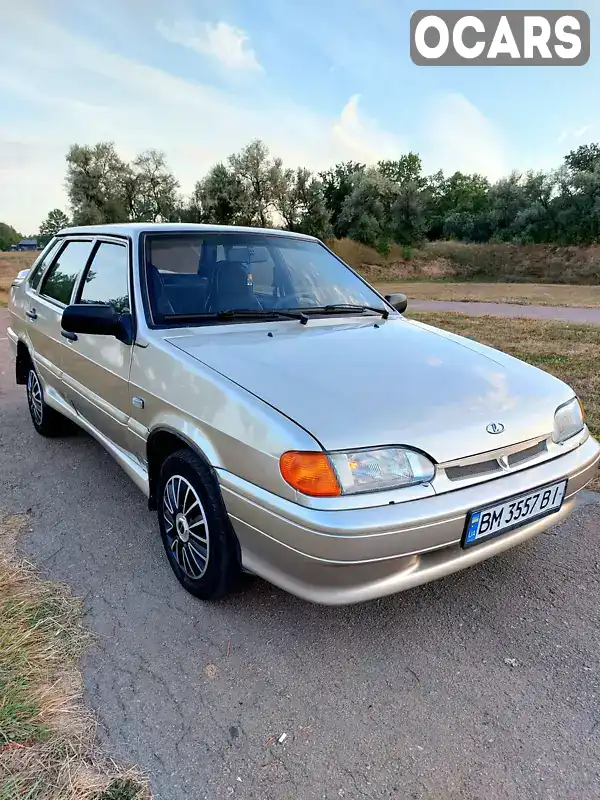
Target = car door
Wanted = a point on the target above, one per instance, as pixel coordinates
(96, 368)
(49, 291)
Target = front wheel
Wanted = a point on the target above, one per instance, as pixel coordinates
(46, 420)
(196, 532)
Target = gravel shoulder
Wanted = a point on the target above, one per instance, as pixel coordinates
(579, 315)
(541, 294)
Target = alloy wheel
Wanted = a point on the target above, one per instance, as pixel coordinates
(186, 527)
(34, 397)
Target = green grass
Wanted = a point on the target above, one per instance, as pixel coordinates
(121, 789)
(19, 715)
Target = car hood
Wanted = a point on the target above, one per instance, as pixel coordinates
(366, 383)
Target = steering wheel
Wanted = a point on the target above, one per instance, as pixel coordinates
(295, 301)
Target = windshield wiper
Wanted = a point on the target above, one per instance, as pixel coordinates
(334, 308)
(239, 313)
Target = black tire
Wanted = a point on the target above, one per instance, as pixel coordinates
(46, 420)
(207, 570)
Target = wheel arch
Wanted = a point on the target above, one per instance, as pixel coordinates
(163, 442)
(22, 363)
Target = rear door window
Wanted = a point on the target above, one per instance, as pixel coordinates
(60, 279)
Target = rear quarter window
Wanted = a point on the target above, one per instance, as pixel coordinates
(39, 269)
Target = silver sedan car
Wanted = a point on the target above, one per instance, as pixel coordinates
(285, 419)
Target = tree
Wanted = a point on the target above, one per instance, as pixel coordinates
(258, 175)
(300, 202)
(8, 236)
(338, 184)
(408, 214)
(406, 169)
(366, 213)
(150, 189)
(380, 211)
(457, 206)
(314, 218)
(584, 159)
(536, 221)
(220, 198)
(577, 209)
(286, 198)
(392, 201)
(54, 222)
(95, 184)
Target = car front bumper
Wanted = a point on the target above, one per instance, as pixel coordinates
(347, 556)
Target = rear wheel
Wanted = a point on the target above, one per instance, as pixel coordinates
(196, 532)
(46, 420)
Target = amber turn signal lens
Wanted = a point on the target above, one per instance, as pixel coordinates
(310, 473)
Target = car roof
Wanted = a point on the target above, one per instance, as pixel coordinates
(135, 228)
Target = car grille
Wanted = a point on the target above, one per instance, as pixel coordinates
(526, 455)
(490, 464)
(473, 470)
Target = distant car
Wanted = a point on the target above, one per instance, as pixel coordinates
(283, 417)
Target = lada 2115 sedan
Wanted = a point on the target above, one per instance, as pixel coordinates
(283, 417)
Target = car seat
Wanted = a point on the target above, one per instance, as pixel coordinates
(157, 291)
(230, 288)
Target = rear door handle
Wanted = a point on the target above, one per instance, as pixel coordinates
(72, 337)
(31, 314)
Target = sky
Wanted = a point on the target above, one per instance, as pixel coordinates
(320, 81)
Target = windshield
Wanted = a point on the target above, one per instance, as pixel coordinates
(207, 274)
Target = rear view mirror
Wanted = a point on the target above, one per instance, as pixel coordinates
(98, 319)
(398, 301)
(248, 255)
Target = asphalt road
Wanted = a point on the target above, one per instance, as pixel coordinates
(484, 685)
(575, 314)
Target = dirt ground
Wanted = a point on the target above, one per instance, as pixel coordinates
(10, 264)
(539, 294)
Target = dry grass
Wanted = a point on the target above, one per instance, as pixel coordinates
(541, 294)
(567, 351)
(459, 262)
(516, 263)
(10, 264)
(47, 736)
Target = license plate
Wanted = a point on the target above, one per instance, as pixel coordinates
(513, 512)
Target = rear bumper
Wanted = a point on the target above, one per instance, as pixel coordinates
(339, 557)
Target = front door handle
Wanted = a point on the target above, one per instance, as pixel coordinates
(72, 337)
(31, 314)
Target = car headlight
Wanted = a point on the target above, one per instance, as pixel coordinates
(383, 468)
(568, 420)
(333, 474)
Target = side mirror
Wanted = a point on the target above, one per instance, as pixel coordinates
(98, 319)
(397, 300)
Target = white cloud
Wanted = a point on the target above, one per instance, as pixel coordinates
(362, 137)
(77, 91)
(221, 41)
(573, 134)
(460, 137)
